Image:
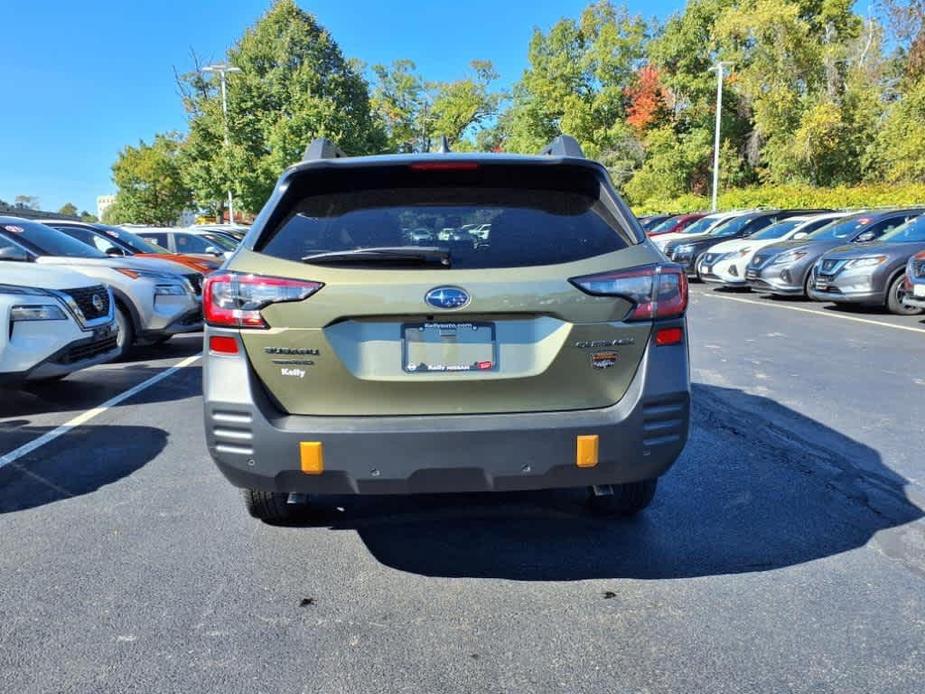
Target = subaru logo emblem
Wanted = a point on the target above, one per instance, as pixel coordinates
(97, 302)
(447, 298)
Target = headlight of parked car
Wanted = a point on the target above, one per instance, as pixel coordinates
(788, 257)
(686, 248)
(36, 312)
(170, 290)
(868, 261)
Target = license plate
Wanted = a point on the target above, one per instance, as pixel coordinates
(448, 347)
(706, 269)
(918, 290)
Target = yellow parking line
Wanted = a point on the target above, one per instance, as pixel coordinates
(85, 417)
(828, 314)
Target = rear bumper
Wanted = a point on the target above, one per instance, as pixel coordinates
(257, 447)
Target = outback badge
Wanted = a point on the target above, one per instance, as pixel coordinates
(604, 360)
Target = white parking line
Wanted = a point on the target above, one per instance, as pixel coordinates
(828, 314)
(85, 417)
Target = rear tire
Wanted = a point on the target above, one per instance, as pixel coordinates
(270, 507)
(894, 299)
(126, 336)
(624, 499)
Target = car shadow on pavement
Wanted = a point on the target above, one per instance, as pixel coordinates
(758, 487)
(88, 458)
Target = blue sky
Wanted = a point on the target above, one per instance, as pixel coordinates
(82, 79)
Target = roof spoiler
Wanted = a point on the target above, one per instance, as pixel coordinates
(563, 146)
(322, 148)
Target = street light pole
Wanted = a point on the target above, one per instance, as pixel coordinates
(719, 67)
(223, 69)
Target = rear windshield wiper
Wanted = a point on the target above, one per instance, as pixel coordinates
(384, 254)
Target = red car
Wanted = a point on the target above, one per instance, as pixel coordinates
(676, 223)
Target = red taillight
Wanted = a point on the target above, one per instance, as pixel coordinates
(657, 291)
(669, 336)
(234, 300)
(444, 166)
(223, 344)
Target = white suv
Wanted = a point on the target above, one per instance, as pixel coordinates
(52, 322)
(152, 300)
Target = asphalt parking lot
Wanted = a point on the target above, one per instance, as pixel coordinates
(785, 550)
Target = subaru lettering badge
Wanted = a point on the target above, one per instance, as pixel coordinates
(447, 298)
(97, 302)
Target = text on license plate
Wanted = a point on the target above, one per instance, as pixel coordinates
(448, 347)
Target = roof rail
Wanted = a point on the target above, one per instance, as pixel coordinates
(322, 148)
(563, 146)
(444, 147)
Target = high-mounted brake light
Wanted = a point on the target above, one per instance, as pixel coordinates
(234, 300)
(657, 291)
(444, 166)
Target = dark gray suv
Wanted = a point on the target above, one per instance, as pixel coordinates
(786, 268)
(870, 273)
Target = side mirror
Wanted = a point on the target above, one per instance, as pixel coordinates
(212, 250)
(866, 236)
(800, 235)
(15, 253)
(115, 252)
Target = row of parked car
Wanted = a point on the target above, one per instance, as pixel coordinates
(74, 294)
(868, 257)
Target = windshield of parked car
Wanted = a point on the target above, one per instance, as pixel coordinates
(731, 226)
(667, 226)
(700, 226)
(133, 241)
(845, 229)
(220, 241)
(779, 230)
(43, 240)
(911, 231)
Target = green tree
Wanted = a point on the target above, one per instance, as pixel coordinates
(464, 105)
(88, 217)
(294, 85)
(150, 184)
(791, 59)
(575, 84)
(415, 113)
(26, 202)
(68, 209)
(399, 99)
(898, 153)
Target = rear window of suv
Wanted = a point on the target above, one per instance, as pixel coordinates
(481, 227)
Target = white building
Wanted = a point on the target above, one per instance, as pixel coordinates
(102, 202)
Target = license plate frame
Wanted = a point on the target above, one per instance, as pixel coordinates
(434, 334)
(918, 290)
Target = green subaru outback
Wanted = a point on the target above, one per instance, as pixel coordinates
(445, 323)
